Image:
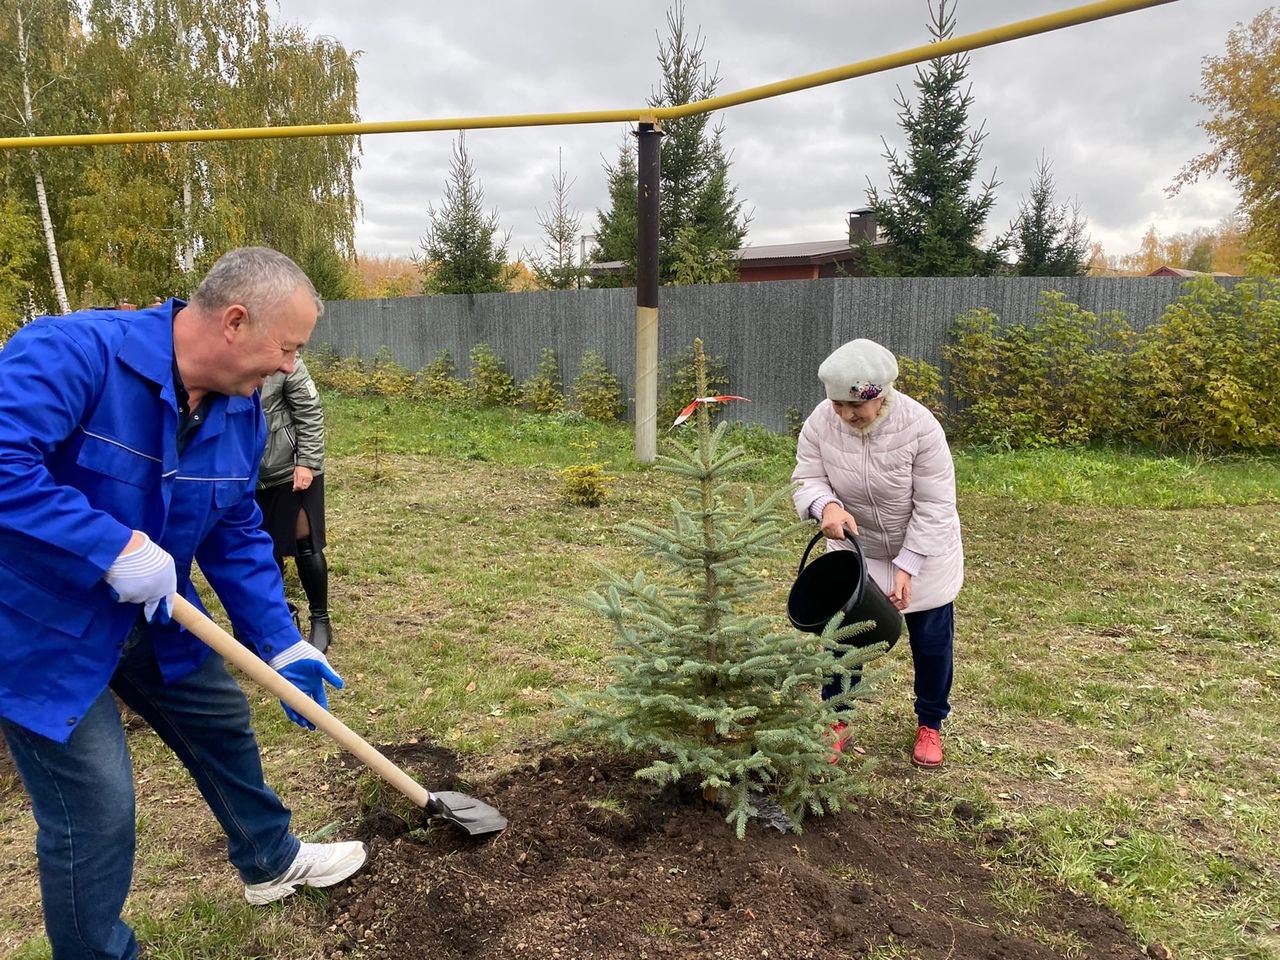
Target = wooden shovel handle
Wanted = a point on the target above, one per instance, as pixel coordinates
(234, 652)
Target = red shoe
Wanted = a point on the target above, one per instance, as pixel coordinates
(928, 749)
(839, 734)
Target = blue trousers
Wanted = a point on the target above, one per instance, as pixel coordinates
(932, 636)
(82, 797)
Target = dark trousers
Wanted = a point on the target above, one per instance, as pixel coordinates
(932, 636)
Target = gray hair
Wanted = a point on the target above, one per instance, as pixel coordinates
(260, 278)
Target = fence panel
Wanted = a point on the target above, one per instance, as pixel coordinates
(772, 336)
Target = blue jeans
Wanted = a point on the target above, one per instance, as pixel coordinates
(82, 797)
(932, 635)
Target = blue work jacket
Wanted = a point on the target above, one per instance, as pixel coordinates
(88, 453)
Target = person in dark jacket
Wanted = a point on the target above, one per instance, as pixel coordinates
(291, 487)
(129, 449)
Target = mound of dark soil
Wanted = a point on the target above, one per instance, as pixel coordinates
(596, 865)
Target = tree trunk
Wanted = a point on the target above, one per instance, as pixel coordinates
(187, 249)
(188, 253)
(51, 245)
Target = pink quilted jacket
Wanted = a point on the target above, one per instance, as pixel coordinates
(897, 478)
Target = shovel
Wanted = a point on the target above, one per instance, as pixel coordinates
(472, 815)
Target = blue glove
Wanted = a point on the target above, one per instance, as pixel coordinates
(307, 669)
(146, 576)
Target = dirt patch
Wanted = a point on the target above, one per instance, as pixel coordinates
(598, 865)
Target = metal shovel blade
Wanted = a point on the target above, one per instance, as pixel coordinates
(472, 815)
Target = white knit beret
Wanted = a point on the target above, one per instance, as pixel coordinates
(859, 370)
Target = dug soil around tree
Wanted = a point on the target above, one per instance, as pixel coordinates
(596, 864)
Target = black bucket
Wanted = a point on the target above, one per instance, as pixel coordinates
(838, 582)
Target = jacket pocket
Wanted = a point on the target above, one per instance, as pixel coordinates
(227, 493)
(44, 607)
(113, 459)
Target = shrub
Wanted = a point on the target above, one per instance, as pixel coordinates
(331, 372)
(585, 484)
(1060, 379)
(387, 378)
(595, 390)
(795, 418)
(1087, 359)
(544, 391)
(918, 379)
(1205, 374)
(491, 383)
(320, 357)
(438, 380)
(678, 385)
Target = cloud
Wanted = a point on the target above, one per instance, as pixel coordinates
(1109, 103)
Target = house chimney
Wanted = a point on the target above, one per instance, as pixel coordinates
(862, 225)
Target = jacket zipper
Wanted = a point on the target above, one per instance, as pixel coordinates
(875, 507)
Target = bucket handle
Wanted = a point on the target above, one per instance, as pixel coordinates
(855, 598)
(849, 535)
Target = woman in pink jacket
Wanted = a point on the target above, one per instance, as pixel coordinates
(873, 461)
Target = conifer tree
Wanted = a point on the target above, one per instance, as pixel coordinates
(462, 252)
(558, 267)
(711, 692)
(930, 216)
(1048, 237)
(616, 228)
(697, 201)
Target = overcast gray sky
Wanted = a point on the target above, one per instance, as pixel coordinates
(1109, 103)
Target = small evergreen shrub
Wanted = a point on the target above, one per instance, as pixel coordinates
(678, 385)
(491, 383)
(544, 391)
(585, 484)
(595, 390)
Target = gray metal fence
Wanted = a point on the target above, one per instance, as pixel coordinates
(772, 336)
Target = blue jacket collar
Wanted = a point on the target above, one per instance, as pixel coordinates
(217, 407)
(148, 345)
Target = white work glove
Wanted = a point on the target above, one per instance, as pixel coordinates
(307, 669)
(145, 575)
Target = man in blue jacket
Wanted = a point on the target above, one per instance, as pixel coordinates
(129, 448)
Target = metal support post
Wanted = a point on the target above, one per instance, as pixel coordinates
(650, 166)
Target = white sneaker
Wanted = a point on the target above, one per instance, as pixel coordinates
(316, 865)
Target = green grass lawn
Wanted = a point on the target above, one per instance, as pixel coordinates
(1115, 705)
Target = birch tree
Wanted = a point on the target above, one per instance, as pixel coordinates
(145, 220)
(35, 44)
